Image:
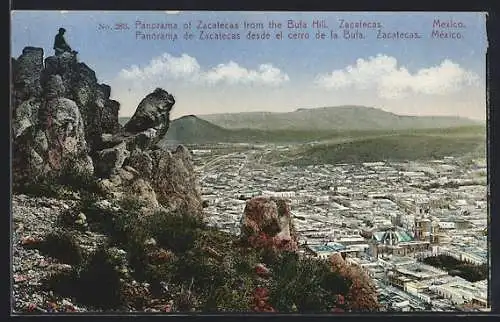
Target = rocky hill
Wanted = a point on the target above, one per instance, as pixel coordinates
(64, 123)
(328, 118)
(107, 219)
(191, 129)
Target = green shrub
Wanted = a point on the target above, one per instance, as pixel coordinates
(231, 297)
(64, 283)
(99, 282)
(63, 246)
(304, 285)
(175, 231)
(61, 186)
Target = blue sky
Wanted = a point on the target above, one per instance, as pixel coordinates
(423, 76)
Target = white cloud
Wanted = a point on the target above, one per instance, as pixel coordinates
(172, 12)
(383, 74)
(63, 12)
(188, 69)
(184, 66)
(233, 73)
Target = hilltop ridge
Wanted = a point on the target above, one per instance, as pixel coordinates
(350, 117)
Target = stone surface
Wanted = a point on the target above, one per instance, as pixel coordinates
(100, 114)
(174, 180)
(25, 117)
(54, 87)
(108, 161)
(362, 294)
(66, 136)
(33, 218)
(267, 222)
(27, 73)
(153, 112)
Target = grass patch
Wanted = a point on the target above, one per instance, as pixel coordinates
(394, 147)
(61, 186)
(305, 285)
(96, 282)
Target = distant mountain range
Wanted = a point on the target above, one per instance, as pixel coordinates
(303, 125)
(332, 118)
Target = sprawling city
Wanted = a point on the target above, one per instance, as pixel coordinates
(390, 218)
(237, 161)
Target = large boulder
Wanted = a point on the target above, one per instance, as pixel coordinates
(54, 87)
(60, 113)
(25, 117)
(109, 110)
(49, 140)
(267, 222)
(174, 180)
(167, 177)
(66, 66)
(49, 137)
(153, 112)
(126, 182)
(144, 140)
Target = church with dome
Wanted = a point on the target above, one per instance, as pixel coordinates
(395, 241)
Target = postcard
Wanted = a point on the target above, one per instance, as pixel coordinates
(243, 161)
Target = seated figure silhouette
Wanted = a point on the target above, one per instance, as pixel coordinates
(60, 44)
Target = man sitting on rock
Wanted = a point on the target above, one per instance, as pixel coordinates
(60, 44)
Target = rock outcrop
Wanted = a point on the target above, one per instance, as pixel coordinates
(64, 122)
(59, 110)
(48, 128)
(133, 161)
(267, 223)
(100, 113)
(152, 112)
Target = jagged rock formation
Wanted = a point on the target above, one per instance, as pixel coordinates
(48, 128)
(267, 223)
(59, 110)
(26, 73)
(100, 114)
(64, 121)
(132, 162)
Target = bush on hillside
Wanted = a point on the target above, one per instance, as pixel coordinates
(62, 245)
(203, 269)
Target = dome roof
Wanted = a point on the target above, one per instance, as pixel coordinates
(392, 236)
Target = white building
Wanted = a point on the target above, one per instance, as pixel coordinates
(460, 291)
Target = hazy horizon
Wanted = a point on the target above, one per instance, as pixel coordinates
(311, 108)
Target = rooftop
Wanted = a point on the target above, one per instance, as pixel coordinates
(333, 247)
